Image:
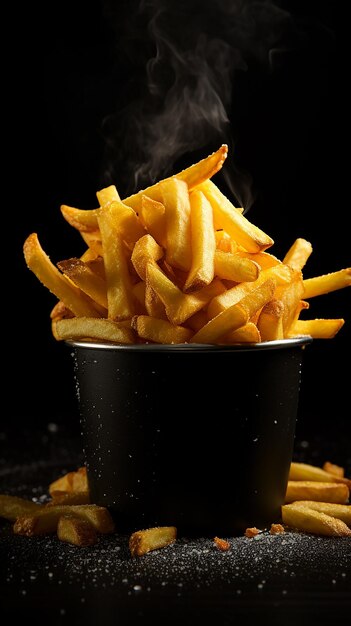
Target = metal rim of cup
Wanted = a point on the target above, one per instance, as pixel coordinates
(194, 347)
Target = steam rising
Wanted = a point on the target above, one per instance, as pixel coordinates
(183, 99)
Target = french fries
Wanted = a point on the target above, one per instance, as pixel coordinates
(316, 500)
(69, 513)
(179, 254)
(305, 518)
(305, 471)
(45, 520)
(143, 541)
(313, 490)
(75, 481)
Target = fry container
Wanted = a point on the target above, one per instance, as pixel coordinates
(195, 436)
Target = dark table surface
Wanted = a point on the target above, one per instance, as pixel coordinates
(289, 579)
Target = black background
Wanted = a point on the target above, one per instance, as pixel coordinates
(66, 72)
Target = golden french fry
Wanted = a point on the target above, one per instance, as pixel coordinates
(197, 321)
(40, 264)
(317, 328)
(12, 507)
(305, 471)
(326, 283)
(246, 334)
(45, 521)
(71, 482)
(143, 541)
(270, 321)
(234, 267)
(175, 196)
(92, 328)
(83, 277)
(315, 522)
(84, 221)
(235, 316)
(192, 176)
(146, 250)
(153, 216)
(77, 531)
(298, 254)
(252, 238)
(203, 243)
(160, 330)
(119, 285)
(108, 194)
(313, 490)
(334, 469)
(341, 511)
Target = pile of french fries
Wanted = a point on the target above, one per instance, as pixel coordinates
(68, 513)
(179, 263)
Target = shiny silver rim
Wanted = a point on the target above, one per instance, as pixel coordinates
(193, 347)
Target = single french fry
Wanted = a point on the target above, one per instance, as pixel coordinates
(315, 522)
(84, 278)
(335, 470)
(298, 254)
(203, 243)
(153, 216)
(77, 531)
(119, 284)
(252, 238)
(316, 328)
(108, 194)
(235, 316)
(45, 521)
(175, 196)
(192, 176)
(305, 471)
(234, 267)
(92, 328)
(63, 288)
(313, 490)
(160, 330)
(12, 507)
(146, 250)
(143, 541)
(341, 511)
(82, 220)
(270, 321)
(71, 482)
(326, 283)
(246, 334)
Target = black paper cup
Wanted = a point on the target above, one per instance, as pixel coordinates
(194, 436)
